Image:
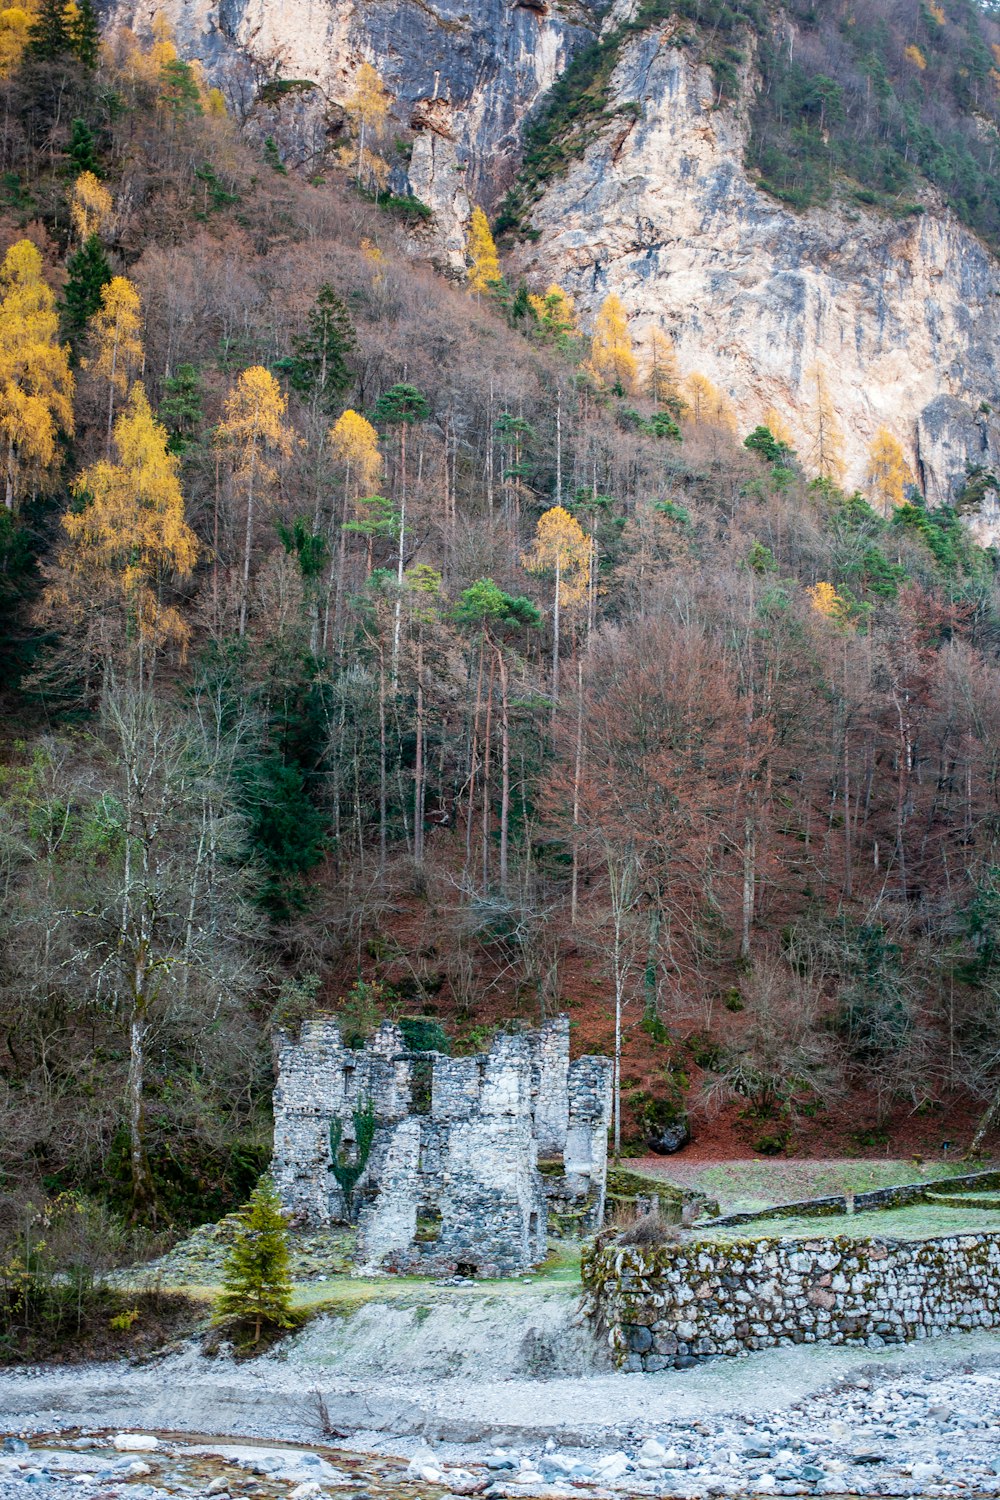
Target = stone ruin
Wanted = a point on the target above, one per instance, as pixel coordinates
(470, 1159)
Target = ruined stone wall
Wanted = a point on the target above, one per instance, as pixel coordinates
(452, 1180)
(679, 1303)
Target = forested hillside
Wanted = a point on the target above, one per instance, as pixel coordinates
(377, 642)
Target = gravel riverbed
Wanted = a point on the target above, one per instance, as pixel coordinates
(921, 1421)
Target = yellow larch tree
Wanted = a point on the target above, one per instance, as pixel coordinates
(555, 313)
(484, 263)
(612, 361)
(354, 443)
(826, 451)
(913, 55)
(36, 384)
(252, 434)
(827, 602)
(129, 535)
(888, 471)
(90, 206)
(707, 404)
(562, 547)
(663, 378)
(116, 331)
(778, 427)
(16, 22)
(368, 107)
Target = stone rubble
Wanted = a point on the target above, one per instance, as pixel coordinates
(923, 1433)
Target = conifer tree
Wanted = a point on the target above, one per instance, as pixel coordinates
(368, 106)
(129, 534)
(664, 378)
(255, 1279)
(82, 148)
(50, 33)
(319, 365)
(253, 432)
(181, 407)
(117, 329)
(484, 268)
(888, 471)
(90, 206)
(827, 443)
(555, 314)
(562, 547)
(612, 362)
(84, 33)
(36, 384)
(88, 273)
(707, 404)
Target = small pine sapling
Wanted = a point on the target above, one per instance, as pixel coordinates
(255, 1279)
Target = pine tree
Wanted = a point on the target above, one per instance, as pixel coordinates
(82, 148)
(88, 273)
(255, 1280)
(319, 365)
(180, 95)
(181, 407)
(50, 33)
(612, 362)
(36, 384)
(484, 269)
(84, 34)
(555, 314)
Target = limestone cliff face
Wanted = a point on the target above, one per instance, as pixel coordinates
(902, 316)
(462, 74)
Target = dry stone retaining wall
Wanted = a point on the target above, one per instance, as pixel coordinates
(680, 1303)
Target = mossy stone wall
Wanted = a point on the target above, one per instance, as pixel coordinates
(676, 1304)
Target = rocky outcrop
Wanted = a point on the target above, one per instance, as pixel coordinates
(462, 76)
(902, 316)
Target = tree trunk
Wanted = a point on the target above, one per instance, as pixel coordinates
(504, 768)
(418, 763)
(247, 546)
(555, 639)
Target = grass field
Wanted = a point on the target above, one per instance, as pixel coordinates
(746, 1186)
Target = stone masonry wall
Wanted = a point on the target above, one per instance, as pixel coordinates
(679, 1303)
(452, 1181)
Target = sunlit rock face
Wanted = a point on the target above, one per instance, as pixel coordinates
(899, 315)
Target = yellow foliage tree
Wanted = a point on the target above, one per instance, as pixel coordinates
(937, 12)
(555, 313)
(827, 602)
(36, 385)
(612, 362)
(130, 534)
(707, 404)
(16, 22)
(367, 106)
(913, 55)
(663, 378)
(354, 443)
(116, 329)
(484, 268)
(888, 471)
(778, 427)
(90, 206)
(562, 547)
(827, 443)
(252, 433)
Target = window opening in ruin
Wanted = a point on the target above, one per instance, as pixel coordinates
(421, 1085)
(428, 1225)
(466, 1268)
(533, 1225)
